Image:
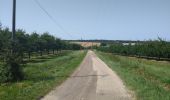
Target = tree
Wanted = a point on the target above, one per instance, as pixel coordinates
(103, 44)
(153, 48)
(12, 51)
(50, 41)
(10, 69)
(58, 44)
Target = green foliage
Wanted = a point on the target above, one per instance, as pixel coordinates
(11, 57)
(34, 42)
(103, 44)
(11, 71)
(42, 75)
(75, 46)
(157, 48)
(12, 52)
(148, 79)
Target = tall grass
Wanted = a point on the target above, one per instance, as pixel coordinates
(41, 75)
(149, 79)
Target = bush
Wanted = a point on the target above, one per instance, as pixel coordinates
(10, 71)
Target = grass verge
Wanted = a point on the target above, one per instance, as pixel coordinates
(41, 75)
(149, 79)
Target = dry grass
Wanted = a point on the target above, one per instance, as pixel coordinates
(88, 44)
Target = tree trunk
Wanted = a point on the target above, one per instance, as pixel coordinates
(40, 53)
(57, 51)
(29, 55)
(48, 52)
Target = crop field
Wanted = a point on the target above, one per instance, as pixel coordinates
(88, 44)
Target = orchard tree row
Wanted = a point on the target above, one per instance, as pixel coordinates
(24, 45)
(28, 43)
(149, 49)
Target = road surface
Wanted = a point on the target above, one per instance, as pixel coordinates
(93, 80)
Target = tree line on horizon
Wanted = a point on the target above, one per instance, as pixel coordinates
(155, 49)
(12, 52)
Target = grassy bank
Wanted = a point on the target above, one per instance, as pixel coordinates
(41, 75)
(149, 79)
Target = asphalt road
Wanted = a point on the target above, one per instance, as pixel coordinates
(93, 80)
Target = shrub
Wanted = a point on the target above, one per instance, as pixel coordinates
(10, 71)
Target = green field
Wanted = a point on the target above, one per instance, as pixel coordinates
(42, 75)
(149, 79)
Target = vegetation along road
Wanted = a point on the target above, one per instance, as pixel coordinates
(93, 80)
(148, 79)
(41, 75)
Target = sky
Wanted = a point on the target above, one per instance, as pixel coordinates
(92, 19)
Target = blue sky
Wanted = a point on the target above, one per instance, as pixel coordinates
(92, 19)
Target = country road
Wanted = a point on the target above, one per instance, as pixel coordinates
(93, 80)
